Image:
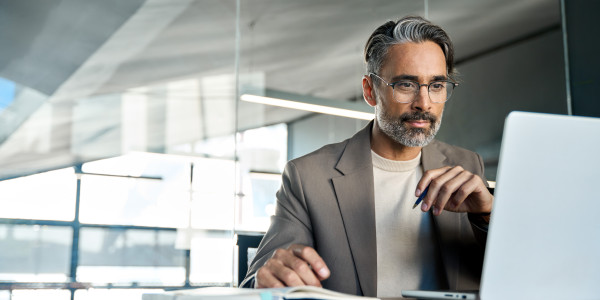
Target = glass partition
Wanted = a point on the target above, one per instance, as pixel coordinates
(139, 99)
(128, 149)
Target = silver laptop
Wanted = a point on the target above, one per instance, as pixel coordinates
(544, 236)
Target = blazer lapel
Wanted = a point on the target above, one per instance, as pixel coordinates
(432, 157)
(355, 195)
(446, 224)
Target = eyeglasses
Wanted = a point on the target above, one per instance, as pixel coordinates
(406, 91)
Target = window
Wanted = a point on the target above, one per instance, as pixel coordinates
(41, 294)
(263, 153)
(212, 257)
(35, 253)
(144, 221)
(142, 187)
(44, 196)
(130, 256)
(213, 194)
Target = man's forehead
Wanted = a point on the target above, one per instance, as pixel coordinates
(412, 61)
(416, 77)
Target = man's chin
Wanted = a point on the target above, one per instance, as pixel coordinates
(417, 132)
(416, 137)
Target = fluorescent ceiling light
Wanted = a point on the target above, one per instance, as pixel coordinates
(324, 106)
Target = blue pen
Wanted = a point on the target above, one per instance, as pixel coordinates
(423, 194)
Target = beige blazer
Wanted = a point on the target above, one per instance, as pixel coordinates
(326, 201)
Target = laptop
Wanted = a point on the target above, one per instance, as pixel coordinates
(544, 235)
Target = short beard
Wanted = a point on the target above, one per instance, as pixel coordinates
(397, 129)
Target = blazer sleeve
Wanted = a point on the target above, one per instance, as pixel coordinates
(478, 223)
(290, 225)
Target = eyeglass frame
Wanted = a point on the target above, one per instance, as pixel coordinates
(419, 85)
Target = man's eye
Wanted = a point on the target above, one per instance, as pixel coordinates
(437, 86)
(405, 85)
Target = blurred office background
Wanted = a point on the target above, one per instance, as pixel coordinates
(128, 161)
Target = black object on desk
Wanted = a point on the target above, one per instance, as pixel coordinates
(245, 241)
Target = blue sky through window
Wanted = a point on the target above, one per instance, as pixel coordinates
(7, 93)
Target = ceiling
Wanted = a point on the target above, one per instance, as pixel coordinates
(73, 60)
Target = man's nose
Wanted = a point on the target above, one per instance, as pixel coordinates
(422, 101)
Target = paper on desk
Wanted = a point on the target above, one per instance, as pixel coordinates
(221, 293)
(210, 293)
(311, 292)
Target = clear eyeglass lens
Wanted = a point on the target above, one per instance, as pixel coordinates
(439, 91)
(406, 87)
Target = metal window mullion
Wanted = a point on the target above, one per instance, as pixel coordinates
(76, 226)
(187, 282)
(187, 252)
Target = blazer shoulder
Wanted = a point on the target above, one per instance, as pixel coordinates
(455, 155)
(452, 151)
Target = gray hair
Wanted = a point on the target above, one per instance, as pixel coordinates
(408, 29)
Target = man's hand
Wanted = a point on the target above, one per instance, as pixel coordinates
(454, 189)
(294, 266)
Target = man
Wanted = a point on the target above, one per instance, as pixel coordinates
(345, 217)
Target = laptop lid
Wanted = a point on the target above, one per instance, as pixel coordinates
(544, 235)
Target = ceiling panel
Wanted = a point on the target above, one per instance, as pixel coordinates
(81, 53)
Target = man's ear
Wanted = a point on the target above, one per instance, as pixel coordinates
(368, 90)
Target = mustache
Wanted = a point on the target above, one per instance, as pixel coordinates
(418, 116)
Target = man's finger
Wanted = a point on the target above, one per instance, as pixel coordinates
(453, 190)
(427, 177)
(286, 275)
(439, 193)
(466, 183)
(304, 271)
(315, 261)
(266, 279)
